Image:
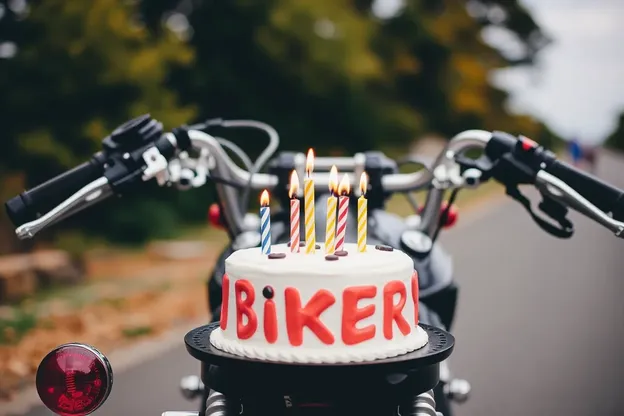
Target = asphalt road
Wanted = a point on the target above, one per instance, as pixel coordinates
(539, 325)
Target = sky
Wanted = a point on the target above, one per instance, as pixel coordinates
(578, 85)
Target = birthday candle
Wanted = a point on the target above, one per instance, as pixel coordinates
(330, 229)
(362, 214)
(343, 210)
(294, 212)
(265, 223)
(308, 196)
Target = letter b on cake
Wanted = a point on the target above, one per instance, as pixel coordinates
(245, 296)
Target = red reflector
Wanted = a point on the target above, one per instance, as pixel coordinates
(451, 217)
(527, 144)
(214, 216)
(74, 379)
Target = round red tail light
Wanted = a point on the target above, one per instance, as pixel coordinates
(74, 379)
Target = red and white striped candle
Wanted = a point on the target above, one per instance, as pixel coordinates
(294, 212)
(343, 209)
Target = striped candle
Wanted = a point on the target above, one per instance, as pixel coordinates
(308, 197)
(362, 214)
(330, 228)
(343, 210)
(294, 212)
(265, 223)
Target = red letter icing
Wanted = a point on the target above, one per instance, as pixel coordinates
(351, 314)
(415, 295)
(244, 308)
(298, 317)
(225, 301)
(392, 312)
(270, 321)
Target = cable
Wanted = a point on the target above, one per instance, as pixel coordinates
(248, 166)
(251, 167)
(240, 153)
(412, 201)
(264, 156)
(444, 215)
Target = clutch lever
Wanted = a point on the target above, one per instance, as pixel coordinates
(558, 190)
(90, 194)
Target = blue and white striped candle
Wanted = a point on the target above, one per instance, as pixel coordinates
(265, 222)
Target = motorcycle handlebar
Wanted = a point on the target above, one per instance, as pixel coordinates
(30, 204)
(537, 167)
(227, 170)
(602, 195)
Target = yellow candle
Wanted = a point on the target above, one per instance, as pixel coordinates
(332, 203)
(362, 214)
(308, 196)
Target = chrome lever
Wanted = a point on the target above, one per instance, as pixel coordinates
(560, 191)
(88, 195)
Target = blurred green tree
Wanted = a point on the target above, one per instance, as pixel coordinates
(327, 73)
(81, 68)
(616, 138)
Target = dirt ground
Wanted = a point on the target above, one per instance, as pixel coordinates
(128, 297)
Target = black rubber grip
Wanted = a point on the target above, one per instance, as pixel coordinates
(29, 205)
(603, 195)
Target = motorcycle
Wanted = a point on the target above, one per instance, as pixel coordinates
(76, 379)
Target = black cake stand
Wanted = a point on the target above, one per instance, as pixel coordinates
(235, 376)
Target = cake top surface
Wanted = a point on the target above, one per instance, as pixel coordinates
(252, 261)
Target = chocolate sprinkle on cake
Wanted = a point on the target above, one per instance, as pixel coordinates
(277, 255)
(267, 292)
(383, 248)
(316, 246)
(341, 253)
(331, 257)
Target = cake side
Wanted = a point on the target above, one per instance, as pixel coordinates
(303, 308)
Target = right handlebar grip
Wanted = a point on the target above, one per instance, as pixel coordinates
(29, 205)
(604, 196)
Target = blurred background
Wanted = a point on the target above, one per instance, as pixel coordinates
(339, 75)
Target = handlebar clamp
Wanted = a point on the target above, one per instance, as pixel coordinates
(136, 151)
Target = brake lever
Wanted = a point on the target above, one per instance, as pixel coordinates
(558, 190)
(85, 197)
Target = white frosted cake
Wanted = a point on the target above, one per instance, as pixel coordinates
(297, 307)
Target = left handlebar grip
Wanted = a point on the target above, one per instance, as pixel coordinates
(29, 205)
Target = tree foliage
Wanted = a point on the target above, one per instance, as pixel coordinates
(616, 138)
(327, 73)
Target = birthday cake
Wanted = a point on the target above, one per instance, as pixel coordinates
(313, 308)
